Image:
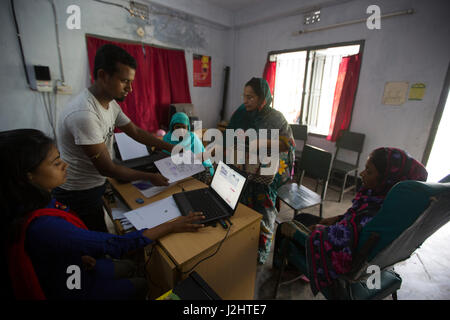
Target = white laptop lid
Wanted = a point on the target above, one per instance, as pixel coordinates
(129, 148)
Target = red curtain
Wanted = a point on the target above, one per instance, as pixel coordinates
(344, 95)
(160, 80)
(269, 73)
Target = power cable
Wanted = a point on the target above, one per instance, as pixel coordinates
(20, 43)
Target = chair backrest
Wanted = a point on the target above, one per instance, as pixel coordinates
(351, 141)
(316, 162)
(187, 108)
(299, 131)
(411, 212)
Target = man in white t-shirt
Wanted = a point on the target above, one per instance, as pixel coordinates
(85, 137)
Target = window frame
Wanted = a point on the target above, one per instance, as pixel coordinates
(308, 50)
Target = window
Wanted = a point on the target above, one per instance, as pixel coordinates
(305, 82)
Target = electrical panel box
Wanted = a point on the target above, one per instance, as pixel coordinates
(312, 17)
(40, 79)
(139, 10)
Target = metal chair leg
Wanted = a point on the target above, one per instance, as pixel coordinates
(283, 265)
(394, 296)
(343, 188)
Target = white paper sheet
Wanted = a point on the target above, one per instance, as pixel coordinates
(154, 214)
(130, 148)
(176, 172)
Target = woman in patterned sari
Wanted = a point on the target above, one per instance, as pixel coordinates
(261, 191)
(333, 240)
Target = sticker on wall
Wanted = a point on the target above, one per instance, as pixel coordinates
(202, 71)
(395, 93)
(417, 91)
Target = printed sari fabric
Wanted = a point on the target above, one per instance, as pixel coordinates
(262, 196)
(329, 249)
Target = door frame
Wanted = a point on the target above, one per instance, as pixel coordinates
(437, 118)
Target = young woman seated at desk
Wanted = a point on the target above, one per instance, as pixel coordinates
(46, 241)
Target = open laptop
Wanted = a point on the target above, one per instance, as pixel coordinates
(135, 155)
(219, 200)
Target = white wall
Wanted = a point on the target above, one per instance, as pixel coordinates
(412, 48)
(21, 107)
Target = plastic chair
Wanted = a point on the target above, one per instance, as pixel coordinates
(411, 212)
(316, 163)
(350, 141)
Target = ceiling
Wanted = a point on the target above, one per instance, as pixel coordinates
(232, 5)
(236, 5)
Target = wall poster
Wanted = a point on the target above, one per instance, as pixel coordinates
(202, 70)
(417, 91)
(395, 93)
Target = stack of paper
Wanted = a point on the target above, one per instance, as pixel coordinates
(118, 214)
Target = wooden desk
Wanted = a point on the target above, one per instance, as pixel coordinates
(231, 272)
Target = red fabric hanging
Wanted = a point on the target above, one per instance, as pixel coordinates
(179, 83)
(159, 83)
(269, 73)
(153, 88)
(170, 80)
(344, 95)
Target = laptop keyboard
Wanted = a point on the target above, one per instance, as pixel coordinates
(202, 201)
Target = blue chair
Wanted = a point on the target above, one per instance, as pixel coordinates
(411, 212)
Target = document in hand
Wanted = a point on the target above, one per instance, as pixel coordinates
(176, 172)
(153, 214)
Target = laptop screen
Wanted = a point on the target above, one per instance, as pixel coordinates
(228, 184)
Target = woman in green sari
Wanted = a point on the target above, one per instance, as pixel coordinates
(261, 191)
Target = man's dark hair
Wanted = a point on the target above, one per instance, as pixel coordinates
(107, 57)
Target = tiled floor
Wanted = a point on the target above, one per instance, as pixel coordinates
(425, 274)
